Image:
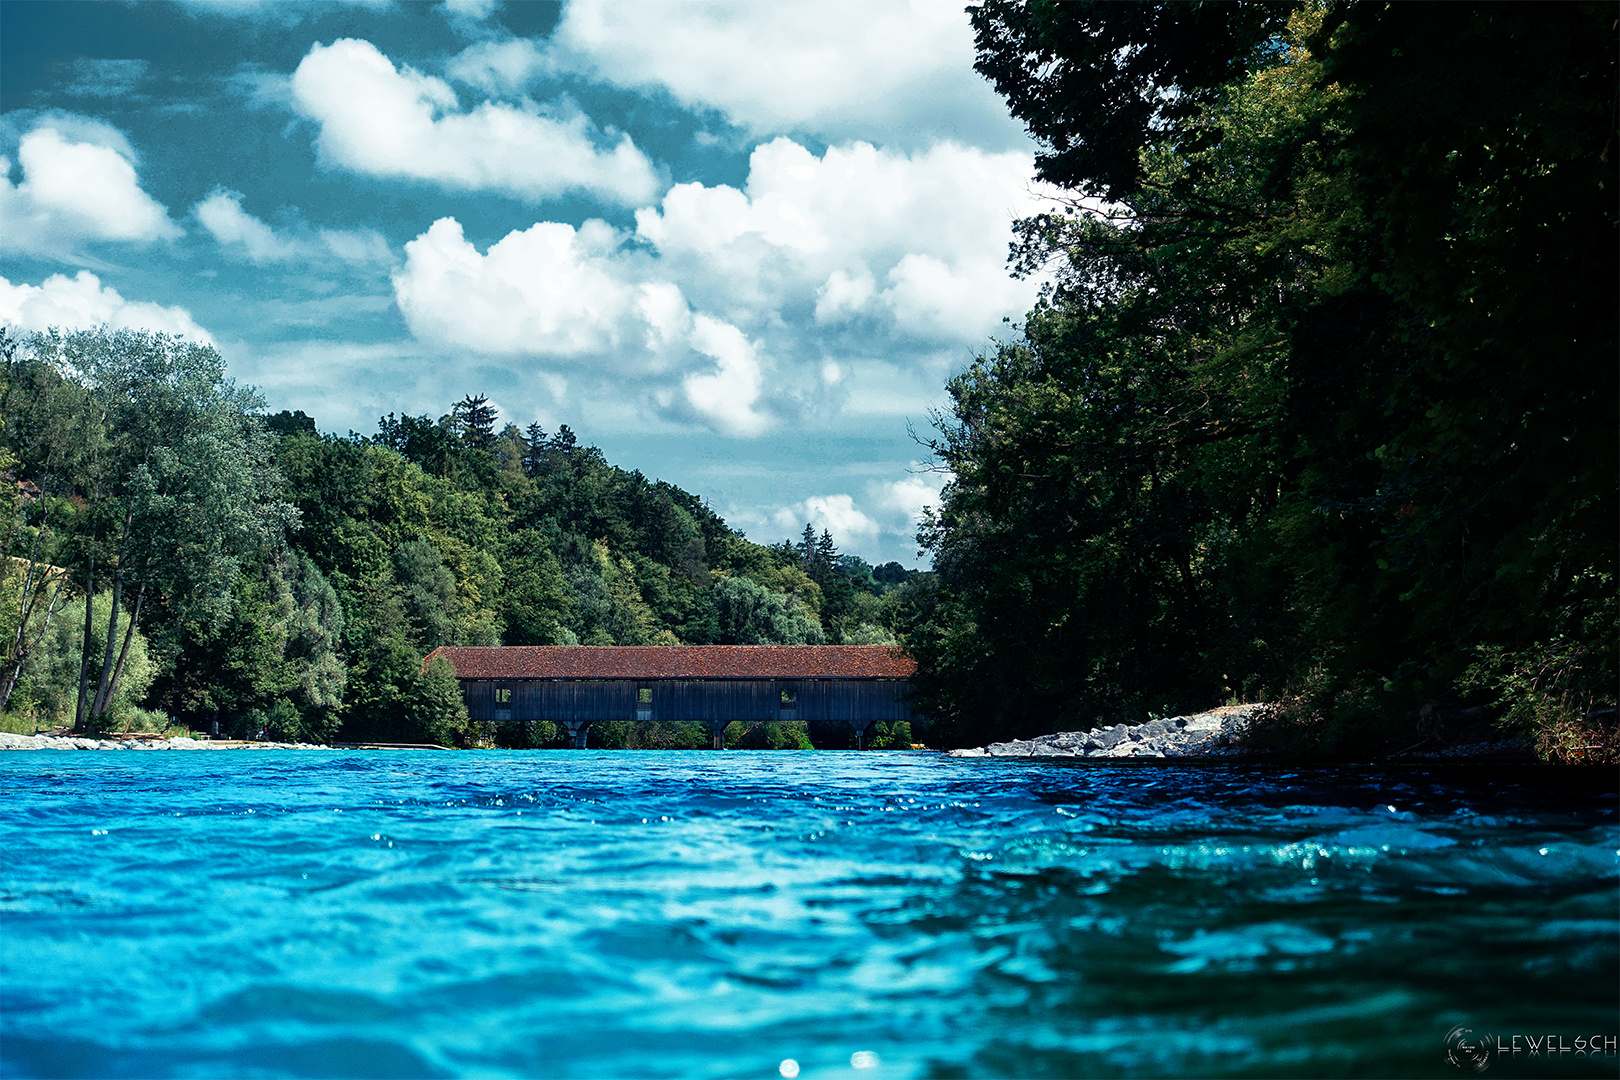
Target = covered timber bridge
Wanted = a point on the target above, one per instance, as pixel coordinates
(574, 685)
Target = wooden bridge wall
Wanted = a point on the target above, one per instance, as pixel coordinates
(855, 701)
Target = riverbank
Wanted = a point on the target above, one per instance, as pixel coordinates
(1217, 733)
(9, 741)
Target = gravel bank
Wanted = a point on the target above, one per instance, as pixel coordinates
(9, 741)
(1207, 734)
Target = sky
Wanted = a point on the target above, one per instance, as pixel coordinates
(740, 247)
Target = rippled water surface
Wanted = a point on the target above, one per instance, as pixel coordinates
(580, 913)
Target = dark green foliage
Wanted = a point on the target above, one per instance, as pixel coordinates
(529, 735)
(781, 735)
(431, 709)
(889, 735)
(290, 423)
(749, 614)
(652, 735)
(1097, 82)
(418, 440)
(1323, 409)
(427, 595)
(474, 420)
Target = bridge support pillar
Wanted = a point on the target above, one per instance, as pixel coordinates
(576, 732)
(717, 729)
(860, 732)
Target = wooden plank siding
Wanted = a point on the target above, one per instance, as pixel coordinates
(854, 701)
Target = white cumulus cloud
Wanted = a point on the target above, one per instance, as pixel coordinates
(550, 290)
(82, 302)
(902, 501)
(75, 188)
(727, 395)
(222, 215)
(917, 241)
(239, 232)
(836, 514)
(891, 69)
(555, 294)
(500, 67)
(808, 291)
(396, 122)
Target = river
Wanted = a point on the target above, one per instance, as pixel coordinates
(701, 914)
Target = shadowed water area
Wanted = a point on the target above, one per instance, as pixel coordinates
(695, 914)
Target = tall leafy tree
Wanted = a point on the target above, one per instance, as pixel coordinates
(50, 435)
(181, 490)
(1322, 398)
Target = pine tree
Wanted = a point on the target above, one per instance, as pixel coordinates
(826, 551)
(534, 440)
(476, 419)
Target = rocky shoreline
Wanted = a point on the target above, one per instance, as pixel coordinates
(9, 741)
(1216, 733)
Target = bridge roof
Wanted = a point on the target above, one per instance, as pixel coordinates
(677, 661)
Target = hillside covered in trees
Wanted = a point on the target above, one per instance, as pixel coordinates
(255, 571)
(1320, 406)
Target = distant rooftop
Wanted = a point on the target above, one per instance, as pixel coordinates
(677, 661)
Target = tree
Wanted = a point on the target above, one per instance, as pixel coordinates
(182, 488)
(827, 553)
(313, 640)
(807, 549)
(49, 680)
(1099, 83)
(475, 420)
(427, 590)
(49, 435)
(418, 439)
(1295, 414)
(534, 442)
(749, 614)
(433, 710)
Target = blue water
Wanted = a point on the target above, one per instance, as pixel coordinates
(697, 914)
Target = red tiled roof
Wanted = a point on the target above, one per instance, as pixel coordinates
(677, 661)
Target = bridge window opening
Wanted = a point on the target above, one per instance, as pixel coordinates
(503, 704)
(503, 695)
(788, 701)
(644, 697)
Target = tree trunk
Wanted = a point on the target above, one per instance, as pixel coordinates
(100, 705)
(84, 649)
(102, 694)
(129, 635)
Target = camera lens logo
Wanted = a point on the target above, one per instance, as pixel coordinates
(1468, 1050)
